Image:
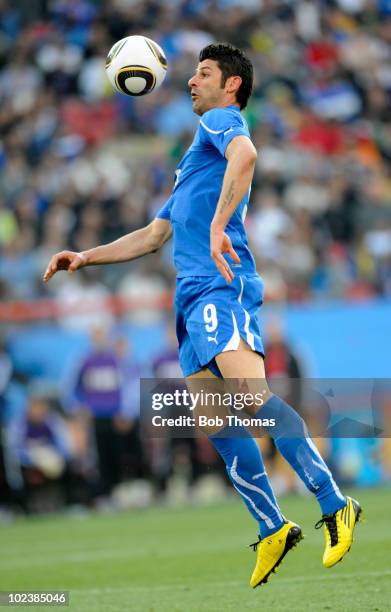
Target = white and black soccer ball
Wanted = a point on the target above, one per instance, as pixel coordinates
(136, 65)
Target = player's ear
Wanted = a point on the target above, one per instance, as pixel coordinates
(233, 83)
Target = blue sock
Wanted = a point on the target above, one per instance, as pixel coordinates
(295, 444)
(247, 473)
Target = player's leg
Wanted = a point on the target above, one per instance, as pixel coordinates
(240, 453)
(294, 442)
(209, 316)
(246, 470)
(290, 433)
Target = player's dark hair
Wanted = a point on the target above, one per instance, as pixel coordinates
(232, 62)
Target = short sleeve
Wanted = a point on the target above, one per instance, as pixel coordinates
(165, 211)
(219, 126)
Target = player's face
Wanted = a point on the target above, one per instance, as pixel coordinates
(205, 87)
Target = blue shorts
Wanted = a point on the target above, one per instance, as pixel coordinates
(212, 316)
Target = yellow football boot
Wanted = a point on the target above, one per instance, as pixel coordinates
(271, 551)
(338, 530)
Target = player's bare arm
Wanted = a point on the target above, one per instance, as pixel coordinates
(131, 246)
(241, 155)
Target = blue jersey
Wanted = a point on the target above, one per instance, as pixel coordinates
(193, 202)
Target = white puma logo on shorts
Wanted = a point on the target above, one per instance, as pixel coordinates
(213, 338)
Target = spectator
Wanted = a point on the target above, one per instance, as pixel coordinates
(133, 454)
(98, 388)
(39, 443)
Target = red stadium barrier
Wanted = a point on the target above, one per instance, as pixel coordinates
(38, 310)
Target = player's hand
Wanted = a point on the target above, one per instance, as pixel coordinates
(220, 243)
(66, 260)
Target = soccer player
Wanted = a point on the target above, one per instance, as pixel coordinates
(218, 294)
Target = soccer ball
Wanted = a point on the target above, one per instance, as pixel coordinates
(136, 65)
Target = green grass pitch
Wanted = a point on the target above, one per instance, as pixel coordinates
(196, 559)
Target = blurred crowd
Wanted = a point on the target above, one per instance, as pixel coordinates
(80, 165)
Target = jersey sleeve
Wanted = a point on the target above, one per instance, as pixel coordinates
(219, 126)
(165, 211)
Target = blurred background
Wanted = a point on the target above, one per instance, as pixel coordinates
(81, 165)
